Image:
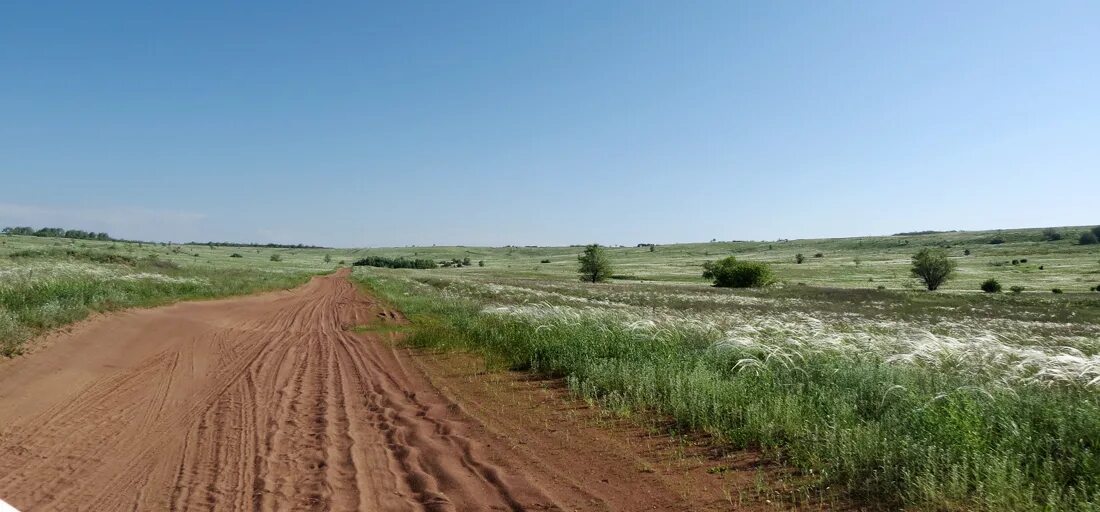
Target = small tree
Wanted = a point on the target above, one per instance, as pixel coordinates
(932, 267)
(328, 258)
(1096, 231)
(991, 286)
(1087, 238)
(481, 263)
(1051, 235)
(799, 258)
(594, 265)
(276, 257)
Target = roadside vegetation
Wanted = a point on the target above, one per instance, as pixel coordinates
(843, 366)
(976, 410)
(47, 282)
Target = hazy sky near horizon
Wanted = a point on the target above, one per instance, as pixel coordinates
(555, 122)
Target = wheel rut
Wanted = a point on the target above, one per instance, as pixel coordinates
(260, 403)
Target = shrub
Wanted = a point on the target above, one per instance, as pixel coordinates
(545, 261)
(1056, 290)
(1096, 231)
(1017, 289)
(1051, 235)
(730, 273)
(383, 262)
(966, 252)
(466, 261)
(1023, 260)
(997, 240)
(932, 267)
(328, 258)
(594, 266)
(819, 255)
(481, 263)
(799, 258)
(276, 257)
(1087, 238)
(991, 286)
(235, 255)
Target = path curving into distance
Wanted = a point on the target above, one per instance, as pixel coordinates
(266, 402)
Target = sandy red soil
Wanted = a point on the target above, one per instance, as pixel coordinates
(271, 402)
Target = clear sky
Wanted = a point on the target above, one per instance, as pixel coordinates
(556, 122)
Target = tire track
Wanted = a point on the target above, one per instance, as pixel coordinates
(261, 403)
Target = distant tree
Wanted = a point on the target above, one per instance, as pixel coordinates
(966, 252)
(481, 263)
(1087, 238)
(1096, 231)
(594, 264)
(328, 258)
(819, 255)
(932, 267)
(652, 248)
(276, 257)
(731, 273)
(991, 286)
(466, 261)
(799, 258)
(1051, 235)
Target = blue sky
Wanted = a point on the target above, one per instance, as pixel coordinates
(492, 123)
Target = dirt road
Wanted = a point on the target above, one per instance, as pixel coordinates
(267, 402)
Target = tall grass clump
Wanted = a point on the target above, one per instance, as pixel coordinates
(899, 434)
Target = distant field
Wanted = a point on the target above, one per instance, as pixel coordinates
(864, 262)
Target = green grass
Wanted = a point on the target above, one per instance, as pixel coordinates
(48, 283)
(896, 435)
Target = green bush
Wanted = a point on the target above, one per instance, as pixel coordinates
(1051, 235)
(383, 262)
(730, 273)
(1017, 289)
(1056, 290)
(545, 261)
(991, 286)
(235, 255)
(276, 257)
(932, 267)
(1087, 238)
(799, 258)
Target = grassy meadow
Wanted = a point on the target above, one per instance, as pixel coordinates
(844, 369)
(50, 282)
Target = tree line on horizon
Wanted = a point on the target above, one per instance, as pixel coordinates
(78, 234)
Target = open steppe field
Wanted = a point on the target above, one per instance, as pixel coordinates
(844, 384)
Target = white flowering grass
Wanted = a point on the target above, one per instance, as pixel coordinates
(928, 406)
